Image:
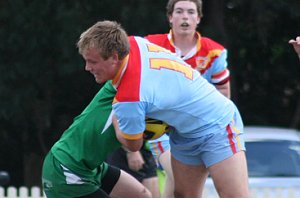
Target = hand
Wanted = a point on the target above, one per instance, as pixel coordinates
(296, 44)
(135, 160)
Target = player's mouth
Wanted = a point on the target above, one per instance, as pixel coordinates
(184, 25)
(95, 75)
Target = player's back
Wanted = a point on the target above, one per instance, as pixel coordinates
(172, 91)
(90, 130)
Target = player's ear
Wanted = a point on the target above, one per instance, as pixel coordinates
(198, 20)
(170, 18)
(115, 61)
(115, 56)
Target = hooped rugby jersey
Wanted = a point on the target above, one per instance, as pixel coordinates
(208, 56)
(155, 83)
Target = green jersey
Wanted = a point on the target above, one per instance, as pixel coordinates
(85, 145)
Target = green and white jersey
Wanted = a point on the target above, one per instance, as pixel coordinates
(85, 145)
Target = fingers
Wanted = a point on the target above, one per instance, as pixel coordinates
(135, 160)
(292, 41)
(296, 41)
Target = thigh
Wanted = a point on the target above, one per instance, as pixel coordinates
(165, 161)
(59, 181)
(99, 193)
(230, 176)
(189, 179)
(128, 186)
(152, 184)
(110, 179)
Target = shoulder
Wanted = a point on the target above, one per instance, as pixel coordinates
(155, 38)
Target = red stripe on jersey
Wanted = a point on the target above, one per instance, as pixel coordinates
(230, 137)
(129, 88)
(223, 81)
(220, 74)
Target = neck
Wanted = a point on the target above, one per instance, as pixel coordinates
(185, 42)
(120, 69)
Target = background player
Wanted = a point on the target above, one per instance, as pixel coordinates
(202, 53)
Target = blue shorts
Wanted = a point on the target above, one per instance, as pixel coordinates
(209, 149)
(158, 146)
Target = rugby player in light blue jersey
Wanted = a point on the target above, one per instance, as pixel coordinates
(152, 82)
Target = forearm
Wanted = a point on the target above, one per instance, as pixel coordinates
(224, 89)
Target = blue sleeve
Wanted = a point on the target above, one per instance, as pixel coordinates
(131, 117)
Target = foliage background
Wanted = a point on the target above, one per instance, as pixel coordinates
(43, 84)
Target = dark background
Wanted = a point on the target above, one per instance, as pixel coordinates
(43, 84)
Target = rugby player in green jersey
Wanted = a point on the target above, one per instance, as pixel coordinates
(75, 167)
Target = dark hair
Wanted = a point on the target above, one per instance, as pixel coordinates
(171, 4)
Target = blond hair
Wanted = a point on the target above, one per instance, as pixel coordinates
(106, 37)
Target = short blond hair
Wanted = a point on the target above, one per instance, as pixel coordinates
(171, 4)
(106, 37)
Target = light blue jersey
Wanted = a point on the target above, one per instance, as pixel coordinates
(157, 84)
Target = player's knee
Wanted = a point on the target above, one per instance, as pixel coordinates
(178, 194)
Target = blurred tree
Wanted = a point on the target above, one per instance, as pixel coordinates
(42, 79)
(265, 68)
(43, 83)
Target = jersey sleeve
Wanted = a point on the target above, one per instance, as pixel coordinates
(131, 119)
(220, 73)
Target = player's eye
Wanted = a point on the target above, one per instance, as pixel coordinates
(178, 11)
(191, 11)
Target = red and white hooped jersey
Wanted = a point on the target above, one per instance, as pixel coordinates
(208, 56)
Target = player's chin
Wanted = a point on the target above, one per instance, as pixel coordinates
(99, 80)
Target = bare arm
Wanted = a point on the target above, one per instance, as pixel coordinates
(131, 145)
(224, 89)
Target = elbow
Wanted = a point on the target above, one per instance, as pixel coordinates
(133, 145)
